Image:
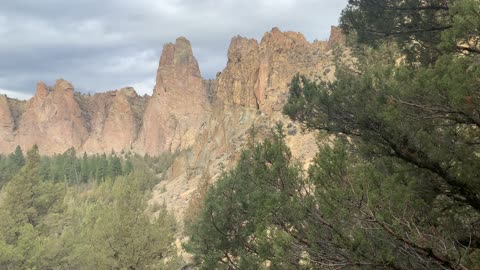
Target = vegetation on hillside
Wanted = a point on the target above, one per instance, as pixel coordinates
(395, 183)
(65, 212)
(398, 187)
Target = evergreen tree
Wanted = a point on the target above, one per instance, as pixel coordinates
(24, 205)
(85, 168)
(19, 192)
(347, 212)
(71, 168)
(402, 115)
(17, 157)
(424, 30)
(128, 167)
(126, 234)
(115, 166)
(248, 214)
(49, 219)
(45, 169)
(399, 186)
(11, 165)
(101, 167)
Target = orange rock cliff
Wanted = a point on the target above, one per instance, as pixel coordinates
(205, 122)
(182, 106)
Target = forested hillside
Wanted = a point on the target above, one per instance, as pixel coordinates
(65, 212)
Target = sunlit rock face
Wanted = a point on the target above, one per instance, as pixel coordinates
(257, 74)
(52, 120)
(179, 105)
(57, 118)
(184, 111)
(249, 93)
(114, 120)
(208, 122)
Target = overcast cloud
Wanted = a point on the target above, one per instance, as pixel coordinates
(108, 44)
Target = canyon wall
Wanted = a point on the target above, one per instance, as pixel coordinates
(249, 94)
(207, 121)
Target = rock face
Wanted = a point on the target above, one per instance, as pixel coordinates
(11, 111)
(179, 104)
(336, 38)
(208, 119)
(52, 120)
(57, 118)
(257, 75)
(249, 92)
(236, 84)
(114, 120)
(6, 125)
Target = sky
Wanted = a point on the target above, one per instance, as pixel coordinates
(101, 45)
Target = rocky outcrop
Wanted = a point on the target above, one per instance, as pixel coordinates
(11, 111)
(337, 38)
(249, 93)
(52, 120)
(257, 74)
(179, 104)
(6, 126)
(236, 84)
(58, 118)
(114, 120)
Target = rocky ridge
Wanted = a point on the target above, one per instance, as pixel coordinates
(249, 92)
(208, 119)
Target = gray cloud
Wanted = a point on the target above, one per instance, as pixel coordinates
(104, 45)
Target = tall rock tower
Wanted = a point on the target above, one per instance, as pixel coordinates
(179, 105)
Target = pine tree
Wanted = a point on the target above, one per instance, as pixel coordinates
(414, 121)
(101, 167)
(19, 216)
(248, 214)
(115, 166)
(85, 169)
(11, 165)
(424, 30)
(124, 236)
(19, 192)
(398, 187)
(17, 157)
(128, 167)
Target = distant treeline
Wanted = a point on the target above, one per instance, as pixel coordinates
(70, 167)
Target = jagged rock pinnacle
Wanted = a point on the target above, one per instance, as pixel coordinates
(42, 90)
(63, 85)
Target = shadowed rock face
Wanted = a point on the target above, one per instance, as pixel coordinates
(210, 118)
